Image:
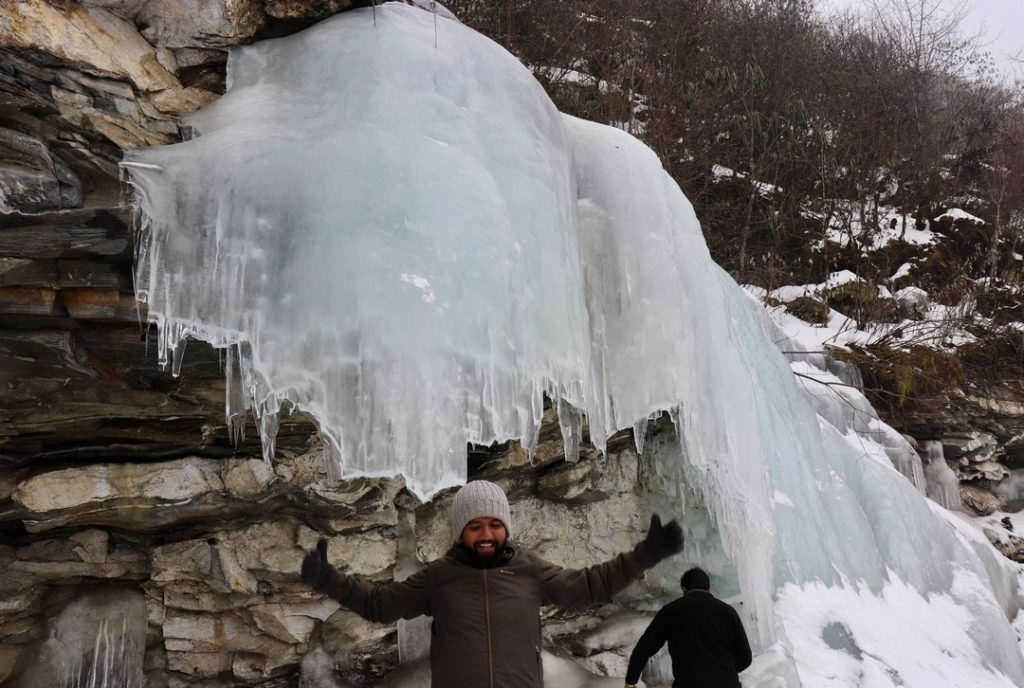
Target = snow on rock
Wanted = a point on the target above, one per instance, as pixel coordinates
(959, 214)
(901, 272)
(719, 171)
(388, 225)
(571, 76)
(837, 279)
(834, 280)
(912, 298)
(923, 323)
(850, 223)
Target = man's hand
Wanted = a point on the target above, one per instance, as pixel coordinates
(663, 540)
(315, 569)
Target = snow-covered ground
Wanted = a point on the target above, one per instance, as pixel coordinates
(935, 326)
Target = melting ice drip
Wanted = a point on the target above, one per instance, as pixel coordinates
(109, 662)
(943, 485)
(96, 641)
(388, 225)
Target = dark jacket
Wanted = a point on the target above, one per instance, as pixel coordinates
(705, 638)
(486, 630)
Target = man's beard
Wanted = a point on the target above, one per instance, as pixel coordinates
(486, 559)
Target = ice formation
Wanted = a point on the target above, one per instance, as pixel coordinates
(388, 225)
(97, 640)
(943, 485)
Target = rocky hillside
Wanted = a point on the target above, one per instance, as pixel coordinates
(129, 522)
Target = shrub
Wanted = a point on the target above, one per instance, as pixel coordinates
(895, 379)
(995, 354)
(808, 309)
(860, 301)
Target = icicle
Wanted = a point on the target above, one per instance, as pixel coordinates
(331, 457)
(908, 462)
(675, 414)
(234, 395)
(529, 441)
(413, 634)
(943, 484)
(639, 432)
(163, 334)
(570, 420)
(268, 424)
(178, 357)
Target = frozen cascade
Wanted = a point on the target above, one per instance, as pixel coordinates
(412, 245)
(419, 333)
(413, 634)
(835, 392)
(943, 485)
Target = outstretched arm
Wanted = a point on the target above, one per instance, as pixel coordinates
(650, 642)
(381, 602)
(597, 584)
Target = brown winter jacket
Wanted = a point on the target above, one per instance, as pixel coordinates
(486, 630)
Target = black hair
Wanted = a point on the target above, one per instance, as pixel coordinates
(695, 579)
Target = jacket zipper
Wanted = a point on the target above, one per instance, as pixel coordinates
(487, 618)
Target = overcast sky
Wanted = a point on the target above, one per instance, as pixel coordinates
(1000, 22)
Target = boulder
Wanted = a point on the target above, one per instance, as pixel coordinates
(305, 9)
(93, 39)
(129, 495)
(977, 501)
(32, 178)
(991, 471)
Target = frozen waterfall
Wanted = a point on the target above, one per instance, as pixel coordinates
(389, 226)
(943, 485)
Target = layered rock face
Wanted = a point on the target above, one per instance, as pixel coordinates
(981, 428)
(981, 433)
(187, 569)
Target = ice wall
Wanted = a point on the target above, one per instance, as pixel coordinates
(389, 226)
(383, 234)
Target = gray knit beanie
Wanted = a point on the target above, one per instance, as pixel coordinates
(480, 498)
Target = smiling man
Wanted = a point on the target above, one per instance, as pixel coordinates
(485, 595)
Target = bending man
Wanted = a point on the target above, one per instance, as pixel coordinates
(485, 596)
(705, 638)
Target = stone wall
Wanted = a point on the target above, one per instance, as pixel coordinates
(192, 563)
